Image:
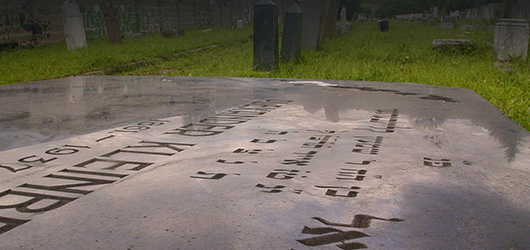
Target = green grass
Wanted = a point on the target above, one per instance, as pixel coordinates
(403, 54)
(55, 62)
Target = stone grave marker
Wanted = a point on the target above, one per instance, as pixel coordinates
(239, 24)
(383, 25)
(111, 23)
(74, 28)
(292, 33)
(265, 35)
(311, 24)
(448, 21)
(343, 21)
(330, 11)
(435, 12)
(511, 39)
(114, 162)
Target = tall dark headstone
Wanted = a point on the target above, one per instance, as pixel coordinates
(383, 25)
(265, 35)
(111, 23)
(292, 33)
(74, 29)
(312, 23)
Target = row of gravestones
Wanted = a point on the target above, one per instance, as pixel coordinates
(511, 37)
(302, 29)
(74, 28)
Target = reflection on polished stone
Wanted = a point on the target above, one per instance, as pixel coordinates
(239, 163)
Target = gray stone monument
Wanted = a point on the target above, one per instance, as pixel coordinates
(292, 33)
(239, 24)
(74, 30)
(343, 21)
(383, 25)
(511, 39)
(330, 11)
(435, 12)
(147, 162)
(311, 24)
(265, 35)
(111, 23)
(448, 22)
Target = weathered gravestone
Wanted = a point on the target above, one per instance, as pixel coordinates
(292, 33)
(74, 28)
(511, 39)
(265, 35)
(111, 23)
(330, 9)
(343, 22)
(240, 24)
(453, 45)
(435, 12)
(239, 163)
(448, 21)
(383, 25)
(311, 24)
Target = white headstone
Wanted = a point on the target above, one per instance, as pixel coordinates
(74, 29)
(239, 24)
(435, 12)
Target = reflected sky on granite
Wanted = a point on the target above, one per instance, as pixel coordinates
(51, 110)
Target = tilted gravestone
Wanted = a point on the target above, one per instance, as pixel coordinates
(265, 35)
(330, 11)
(383, 25)
(112, 25)
(74, 28)
(292, 33)
(311, 24)
(511, 39)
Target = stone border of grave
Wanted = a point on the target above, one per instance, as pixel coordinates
(461, 45)
(141, 63)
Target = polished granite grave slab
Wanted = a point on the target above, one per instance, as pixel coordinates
(238, 163)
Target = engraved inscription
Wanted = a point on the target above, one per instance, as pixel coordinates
(331, 234)
(438, 163)
(368, 145)
(61, 187)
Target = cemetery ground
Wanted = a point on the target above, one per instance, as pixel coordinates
(403, 54)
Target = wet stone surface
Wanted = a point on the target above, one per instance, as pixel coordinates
(237, 163)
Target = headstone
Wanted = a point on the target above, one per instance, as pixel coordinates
(511, 39)
(250, 163)
(74, 30)
(111, 23)
(292, 33)
(435, 12)
(448, 21)
(311, 24)
(383, 25)
(265, 35)
(330, 12)
(239, 24)
(343, 21)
